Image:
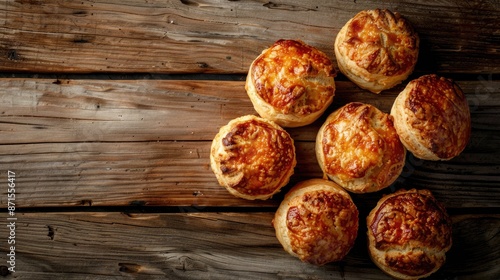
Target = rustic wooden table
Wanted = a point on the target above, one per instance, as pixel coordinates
(108, 109)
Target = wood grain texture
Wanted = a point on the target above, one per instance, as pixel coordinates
(214, 36)
(68, 111)
(85, 149)
(146, 142)
(178, 174)
(211, 246)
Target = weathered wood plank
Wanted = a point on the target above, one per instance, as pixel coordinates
(50, 111)
(213, 36)
(178, 174)
(104, 110)
(97, 174)
(210, 246)
(146, 142)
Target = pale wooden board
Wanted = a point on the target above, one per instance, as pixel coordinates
(106, 110)
(211, 246)
(213, 36)
(51, 111)
(146, 142)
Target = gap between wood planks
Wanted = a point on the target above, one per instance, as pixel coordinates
(212, 77)
(209, 209)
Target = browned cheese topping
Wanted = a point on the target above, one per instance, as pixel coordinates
(260, 153)
(440, 112)
(359, 139)
(411, 219)
(294, 78)
(322, 226)
(381, 42)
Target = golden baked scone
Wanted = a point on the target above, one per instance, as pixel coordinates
(291, 83)
(317, 222)
(377, 49)
(409, 233)
(432, 118)
(359, 149)
(253, 158)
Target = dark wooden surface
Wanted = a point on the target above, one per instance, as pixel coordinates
(108, 109)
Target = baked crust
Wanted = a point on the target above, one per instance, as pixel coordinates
(432, 118)
(409, 233)
(359, 149)
(291, 83)
(377, 49)
(317, 222)
(253, 158)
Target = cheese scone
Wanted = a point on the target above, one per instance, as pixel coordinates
(359, 149)
(317, 222)
(432, 118)
(409, 233)
(291, 83)
(377, 49)
(253, 158)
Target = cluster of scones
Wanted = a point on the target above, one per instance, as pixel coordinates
(359, 148)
